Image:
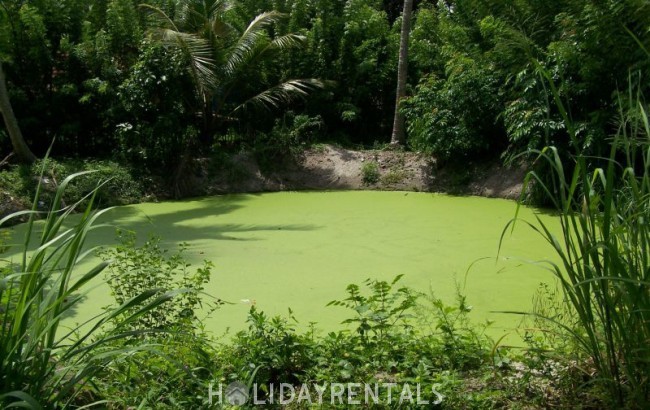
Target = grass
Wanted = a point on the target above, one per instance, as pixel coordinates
(41, 364)
(604, 248)
(394, 176)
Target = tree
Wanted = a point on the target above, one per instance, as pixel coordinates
(402, 68)
(17, 141)
(226, 62)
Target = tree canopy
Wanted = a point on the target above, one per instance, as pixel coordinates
(150, 78)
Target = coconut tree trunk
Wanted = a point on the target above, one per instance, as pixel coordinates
(17, 141)
(398, 123)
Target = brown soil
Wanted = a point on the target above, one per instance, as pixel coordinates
(9, 205)
(328, 167)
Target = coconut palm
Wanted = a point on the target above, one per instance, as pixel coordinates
(222, 57)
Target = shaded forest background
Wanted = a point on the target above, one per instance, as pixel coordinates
(108, 80)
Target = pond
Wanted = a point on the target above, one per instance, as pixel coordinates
(300, 250)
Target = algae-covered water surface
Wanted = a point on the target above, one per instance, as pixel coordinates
(301, 250)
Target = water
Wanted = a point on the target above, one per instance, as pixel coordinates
(300, 251)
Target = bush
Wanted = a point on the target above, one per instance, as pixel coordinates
(370, 173)
(134, 269)
(456, 116)
(177, 369)
(270, 351)
(116, 183)
(286, 142)
(156, 128)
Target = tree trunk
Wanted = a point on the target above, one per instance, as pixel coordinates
(21, 149)
(398, 123)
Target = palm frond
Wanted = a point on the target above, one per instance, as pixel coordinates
(198, 50)
(286, 42)
(280, 94)
(251, 38)
(218, 8)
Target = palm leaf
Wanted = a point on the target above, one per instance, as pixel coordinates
(280, 94)
(250, 39)
(198, 50)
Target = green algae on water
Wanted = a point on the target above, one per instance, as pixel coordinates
(300, 250)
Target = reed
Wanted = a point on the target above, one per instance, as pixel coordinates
(43, 365)
(604, 249)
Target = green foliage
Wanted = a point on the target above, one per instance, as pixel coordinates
(394, 176)
(157, 98)
(114, 184)
(224, 55)
(41, 364)
(603, 249)
(82, 71)
(134, 269)
(384, 310)
(393, 339)
(463, 344)
(123, 27)
(270, 351)
(370, 173)
(175, 371)
(457, 116)
(284, 144)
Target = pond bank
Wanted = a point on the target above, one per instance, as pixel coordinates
(327, 167)
(319, 168)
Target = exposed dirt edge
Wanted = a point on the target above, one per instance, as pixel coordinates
(333, 168)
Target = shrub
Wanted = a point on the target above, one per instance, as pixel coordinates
(156, 128)
(177, 370)
(370, 173)
(286, 142)
(136, 268)
(456, 116)
(395, 176)
(114, 182)
(270, 351)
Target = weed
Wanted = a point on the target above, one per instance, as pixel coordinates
(604, 246)
(394, 176)
(41, 365)
(370, 172)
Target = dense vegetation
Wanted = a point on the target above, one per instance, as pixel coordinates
(155, 85)
(141, 82)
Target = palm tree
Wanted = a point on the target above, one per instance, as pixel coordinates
(398, 123)
(17, 141)
(221, 57)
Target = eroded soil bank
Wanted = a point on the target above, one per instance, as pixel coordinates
(320, 168)
(327, 167)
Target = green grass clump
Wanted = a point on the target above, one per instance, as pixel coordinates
(604, 248)
(41, 363)
(370, 173)
(394, 176)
